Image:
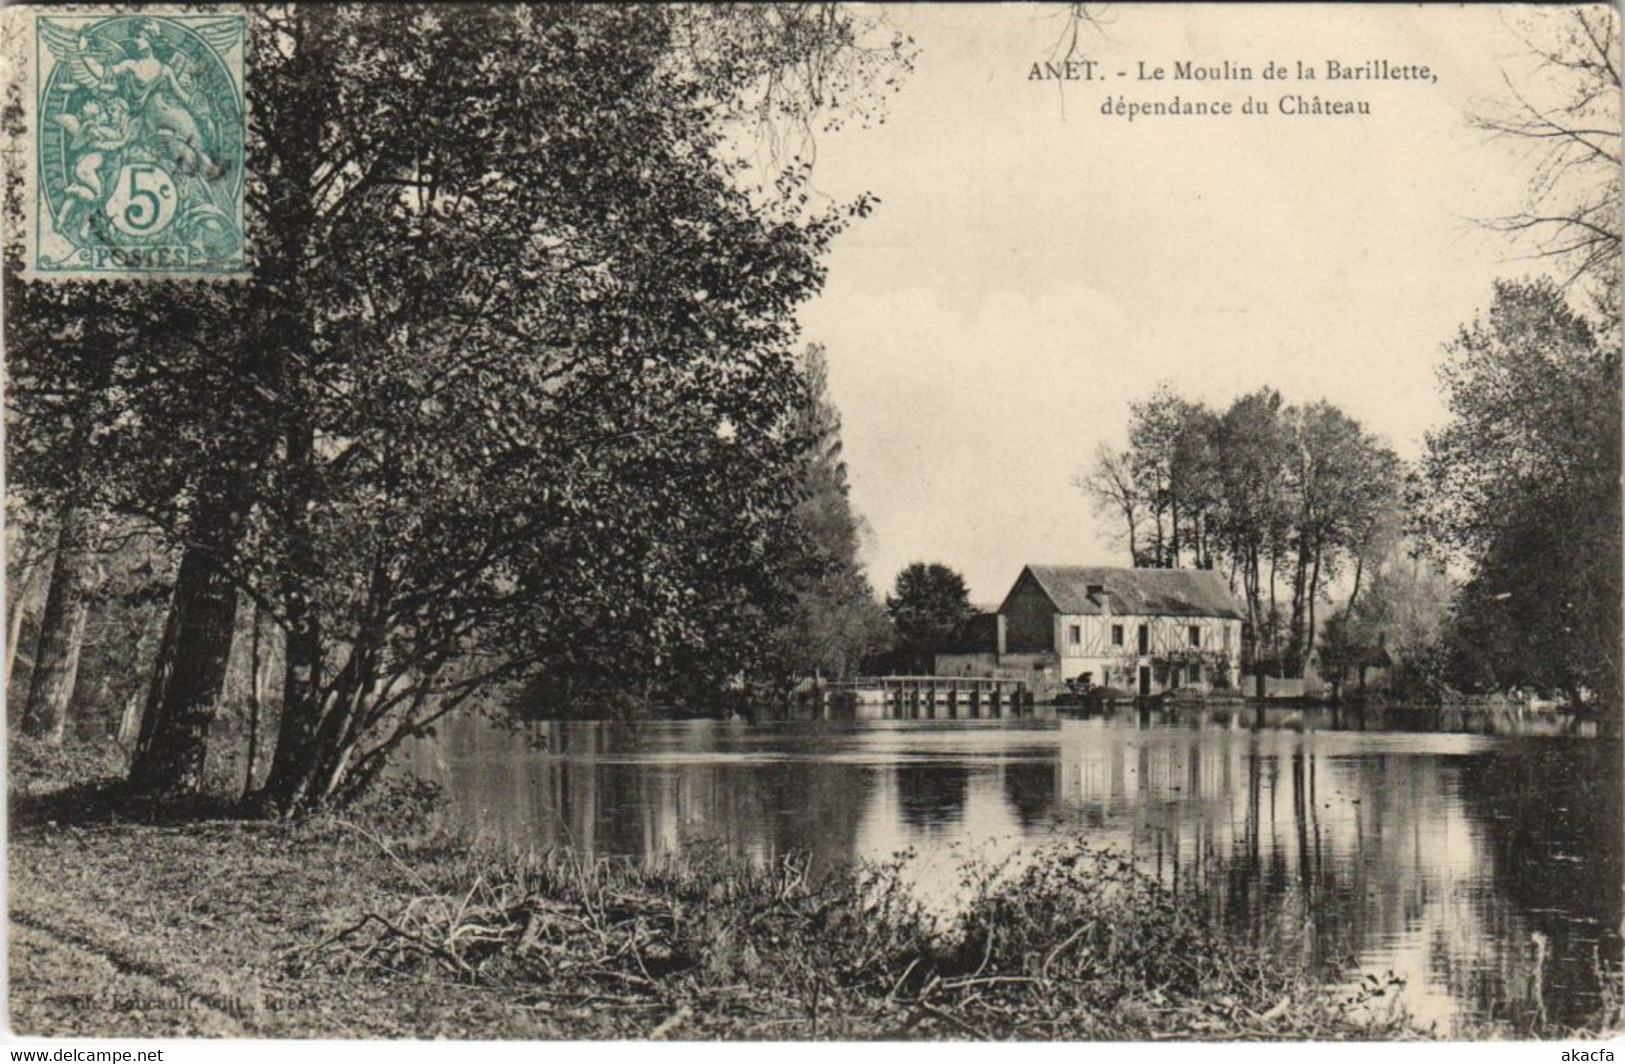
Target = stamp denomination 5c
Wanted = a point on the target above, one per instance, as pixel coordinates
(137, 123)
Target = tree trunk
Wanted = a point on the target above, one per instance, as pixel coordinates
(49, 707)
(1300, 583)
(327, 728)
(1173, 511)
(129, 721)
(1275, 637)
(1359, 570)
(190, 675)
(256, 681)
(148, 717)
(1157, 543)
(18, 590)
(129, 725)
(289, 776)
(1314, 593)
(1250, 588)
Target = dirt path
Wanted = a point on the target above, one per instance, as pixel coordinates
(63, 983)
(152, 931)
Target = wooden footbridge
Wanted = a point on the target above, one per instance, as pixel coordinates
(923, 696)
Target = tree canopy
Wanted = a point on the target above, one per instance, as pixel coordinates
(513, 387)
(1259, 490)
(1522, 484)
(927, 606)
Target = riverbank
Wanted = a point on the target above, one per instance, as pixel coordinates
(373, 925)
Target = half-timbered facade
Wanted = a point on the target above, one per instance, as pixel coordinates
(1141, 630)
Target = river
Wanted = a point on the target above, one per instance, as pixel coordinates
(1454, 851)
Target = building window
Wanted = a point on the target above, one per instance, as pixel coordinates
(1196, 674)
(1196, 635)
(1074, 634)
(1227, 637)
(1173, 676)
(1117, 635)
(1145, 639)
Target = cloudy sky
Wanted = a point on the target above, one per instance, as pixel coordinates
(1034, 266)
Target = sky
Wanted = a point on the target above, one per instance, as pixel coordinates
(1034, 266)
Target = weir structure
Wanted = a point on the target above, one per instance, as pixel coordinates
(926, 697)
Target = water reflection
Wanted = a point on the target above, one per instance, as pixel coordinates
(1455, 860)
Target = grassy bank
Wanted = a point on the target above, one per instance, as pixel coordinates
(194, 922)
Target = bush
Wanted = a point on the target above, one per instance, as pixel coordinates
(35, 767)
(400, 806)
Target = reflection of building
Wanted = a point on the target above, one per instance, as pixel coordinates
(1143, 630)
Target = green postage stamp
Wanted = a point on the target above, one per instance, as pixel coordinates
(137, 123)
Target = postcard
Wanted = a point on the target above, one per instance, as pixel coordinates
(812, 522)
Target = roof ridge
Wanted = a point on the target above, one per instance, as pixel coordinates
(1175, 592)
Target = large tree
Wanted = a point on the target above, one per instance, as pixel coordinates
(1262, 487)
(512, 383)
(1562, 112)
(1340, 480)
(1522, 484)
(928, 606)
(1253, 519)
(1163, 488)
(837, 622)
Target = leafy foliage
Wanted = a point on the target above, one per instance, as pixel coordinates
(927, 606)
(1523, 484)
(836, 622)
(1258, 489)
(512, 389)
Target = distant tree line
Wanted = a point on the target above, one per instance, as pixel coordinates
(1518, 492)
(1281, 499)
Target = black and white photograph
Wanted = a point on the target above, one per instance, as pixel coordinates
(812, 522)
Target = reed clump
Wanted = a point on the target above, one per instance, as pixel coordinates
(1074, 943)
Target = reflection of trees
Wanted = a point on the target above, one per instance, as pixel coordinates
(1551, 817)
(1357, 881)
(608, 790)
(1350, 859)
(1310, 862)
(1032, 787)
(1437, 866)
(813, 807)
(931, 794)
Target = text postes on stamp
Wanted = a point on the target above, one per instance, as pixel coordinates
(138, 128)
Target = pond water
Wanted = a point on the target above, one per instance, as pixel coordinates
(1455, 851)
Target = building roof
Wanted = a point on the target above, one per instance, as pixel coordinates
(1146, 592)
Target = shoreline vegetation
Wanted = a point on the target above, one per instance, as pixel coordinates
(133, 919)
